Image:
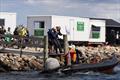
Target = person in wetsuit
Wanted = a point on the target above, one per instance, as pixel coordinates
(53, 38)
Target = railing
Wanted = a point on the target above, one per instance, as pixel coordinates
(22, 41)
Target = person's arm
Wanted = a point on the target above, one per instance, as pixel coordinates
(59, 33)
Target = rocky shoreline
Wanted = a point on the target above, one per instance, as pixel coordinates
(102, 51)
(13, 62)
(16, 63)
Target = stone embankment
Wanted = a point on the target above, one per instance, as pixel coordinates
(102, 51)
(14, 62)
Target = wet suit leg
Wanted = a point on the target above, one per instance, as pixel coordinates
(57, 45)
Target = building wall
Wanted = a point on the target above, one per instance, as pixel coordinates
(32, 19)
(81, 34)
(69, 26)
(61, 21)
(10, 20)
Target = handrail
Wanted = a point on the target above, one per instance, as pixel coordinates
(24, 41)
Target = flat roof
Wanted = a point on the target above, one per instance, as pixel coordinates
(7, 13)
(55, 15)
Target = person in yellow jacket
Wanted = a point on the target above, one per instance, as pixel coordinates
(22, 32)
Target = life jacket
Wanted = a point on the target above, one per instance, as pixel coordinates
(8, 38)
(21, 31)
(73, 55)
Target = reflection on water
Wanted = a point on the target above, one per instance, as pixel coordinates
(35, 75)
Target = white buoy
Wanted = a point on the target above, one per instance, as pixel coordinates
(51, 64)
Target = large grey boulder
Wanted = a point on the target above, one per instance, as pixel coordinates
(51, 64)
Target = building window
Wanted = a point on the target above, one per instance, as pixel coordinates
(2, 22)
(39, 24)
(80, 26)
(39, 28)
(95, 32)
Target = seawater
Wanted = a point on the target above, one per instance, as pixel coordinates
(36, 75)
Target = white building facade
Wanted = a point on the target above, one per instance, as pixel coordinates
(77, 28)
(8, 20)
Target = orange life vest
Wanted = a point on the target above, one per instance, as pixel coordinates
(73, 55)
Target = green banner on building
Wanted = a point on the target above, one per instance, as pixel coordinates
(80, 26)
(96, 35)
(39, 32)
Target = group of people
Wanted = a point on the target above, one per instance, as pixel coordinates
(6, 35)
(73, 55)
(54, 40)
(3, 31)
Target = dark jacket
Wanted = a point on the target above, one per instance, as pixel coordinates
(52, 34)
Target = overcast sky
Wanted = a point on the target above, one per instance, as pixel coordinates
(82, 8)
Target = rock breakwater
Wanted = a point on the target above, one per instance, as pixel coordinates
(16, 63)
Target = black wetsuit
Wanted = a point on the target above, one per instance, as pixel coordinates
(53, 39)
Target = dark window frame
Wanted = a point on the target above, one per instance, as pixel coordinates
(41, 24)
(2, 22)
(95, 32)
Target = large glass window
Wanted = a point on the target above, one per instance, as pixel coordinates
(2, 22)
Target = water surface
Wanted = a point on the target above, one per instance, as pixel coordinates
(35, 75)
